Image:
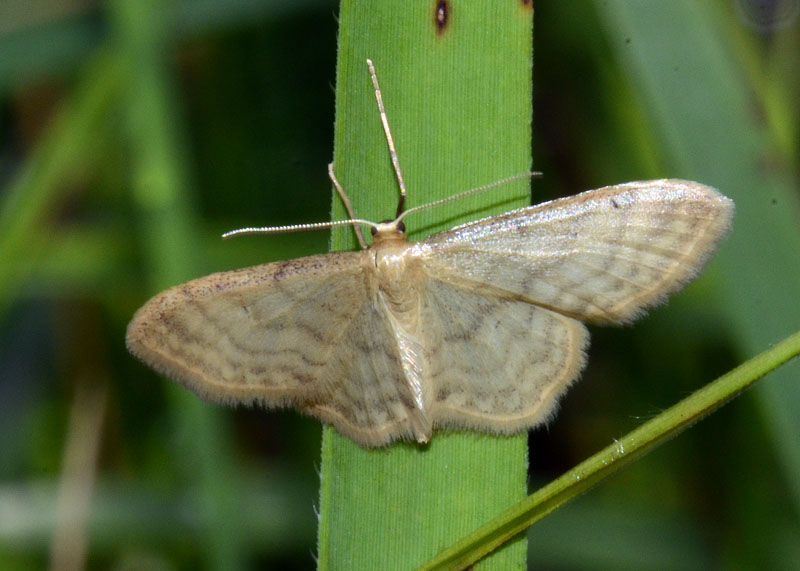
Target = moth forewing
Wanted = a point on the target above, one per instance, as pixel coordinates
(600, 256)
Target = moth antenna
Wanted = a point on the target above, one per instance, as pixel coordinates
(298, 227)
(389, 140)
(348, 206)
(353, 221)
(460, 195)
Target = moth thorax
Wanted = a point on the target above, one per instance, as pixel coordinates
(396, 284)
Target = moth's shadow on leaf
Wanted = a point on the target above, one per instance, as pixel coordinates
(463, 217)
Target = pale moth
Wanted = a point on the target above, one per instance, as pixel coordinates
(479, 327)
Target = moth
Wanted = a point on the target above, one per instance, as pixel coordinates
(480, 327)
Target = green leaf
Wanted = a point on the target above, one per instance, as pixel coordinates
(70, 143)
(458, 99)
(687, 68)
(161, 191)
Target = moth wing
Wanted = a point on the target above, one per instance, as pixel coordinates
(368, 398)
(496, 363)
(600, 256)
(304, 333)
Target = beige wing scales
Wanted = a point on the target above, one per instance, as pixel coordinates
(250, 334)
(600, 256)
(504, 295)
(497, 364)
(370, 401)
(304, 333)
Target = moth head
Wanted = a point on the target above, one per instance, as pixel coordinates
(388, 230)
(387, 227)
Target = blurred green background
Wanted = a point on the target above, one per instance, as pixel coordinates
(225, 109)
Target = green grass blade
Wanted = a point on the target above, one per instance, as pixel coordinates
(169, 228)
(688, 71)
(459, 103)
(614, 457)
(68, 146)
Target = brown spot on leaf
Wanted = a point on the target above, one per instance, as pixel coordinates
(441, 15)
